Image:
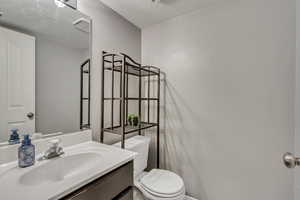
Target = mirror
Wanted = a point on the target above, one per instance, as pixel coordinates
(44, 68)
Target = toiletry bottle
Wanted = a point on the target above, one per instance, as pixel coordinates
(14, 137)
(26, 153)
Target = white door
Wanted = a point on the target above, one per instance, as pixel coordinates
(17, 82)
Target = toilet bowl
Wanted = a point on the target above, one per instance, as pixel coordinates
(160, 185)
(157, 184)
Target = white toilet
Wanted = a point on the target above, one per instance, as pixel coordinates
(157, 184)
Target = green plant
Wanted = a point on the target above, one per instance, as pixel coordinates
(130, 119)
(133, 120)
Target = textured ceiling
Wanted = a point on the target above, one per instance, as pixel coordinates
(145, 13)
(43, 17)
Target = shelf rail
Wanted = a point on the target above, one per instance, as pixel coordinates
(85, 69)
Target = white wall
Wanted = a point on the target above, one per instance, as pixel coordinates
(57, 86)
(111, 32)
(229, 97)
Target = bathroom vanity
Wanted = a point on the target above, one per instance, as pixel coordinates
(115, 185)
(86, 171)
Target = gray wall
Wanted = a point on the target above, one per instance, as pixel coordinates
(57, 86)
(111, 32)
(229, 97)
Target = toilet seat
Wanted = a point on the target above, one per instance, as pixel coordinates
(161, 185)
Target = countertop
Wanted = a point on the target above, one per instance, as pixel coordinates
(13, 187)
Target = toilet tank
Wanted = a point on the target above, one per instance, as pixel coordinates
(140, 145)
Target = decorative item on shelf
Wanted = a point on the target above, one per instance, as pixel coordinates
(133, 120)
(130, 119)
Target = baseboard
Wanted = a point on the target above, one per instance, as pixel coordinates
(189, 198)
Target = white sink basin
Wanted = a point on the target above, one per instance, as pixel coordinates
(53, 179)
(60, 168)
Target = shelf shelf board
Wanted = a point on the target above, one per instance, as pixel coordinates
(134, 70)
(132, 98)
(130, 129)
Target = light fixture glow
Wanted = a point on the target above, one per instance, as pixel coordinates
(59, 4)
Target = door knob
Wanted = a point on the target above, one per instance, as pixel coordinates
(290, 160)
(30, 115)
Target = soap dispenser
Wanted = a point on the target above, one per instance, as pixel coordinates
(26, 153)
(14, 137)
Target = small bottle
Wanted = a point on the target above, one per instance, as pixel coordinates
(26, 153)
(14, 137)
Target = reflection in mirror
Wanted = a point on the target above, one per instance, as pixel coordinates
(44, 68)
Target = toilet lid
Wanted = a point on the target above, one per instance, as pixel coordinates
(162, 182)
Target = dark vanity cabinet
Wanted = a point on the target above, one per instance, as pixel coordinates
(116, 185)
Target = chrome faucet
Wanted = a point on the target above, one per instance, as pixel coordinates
(54, 150)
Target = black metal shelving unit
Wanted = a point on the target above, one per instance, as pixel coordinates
(85, 71)
(125, 67)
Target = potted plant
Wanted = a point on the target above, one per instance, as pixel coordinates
(130, 119)
(135, 120)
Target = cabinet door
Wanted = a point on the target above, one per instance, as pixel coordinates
(107, 187)
(125, 195)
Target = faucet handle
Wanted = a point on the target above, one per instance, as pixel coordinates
(54, 150)
(55, 142)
